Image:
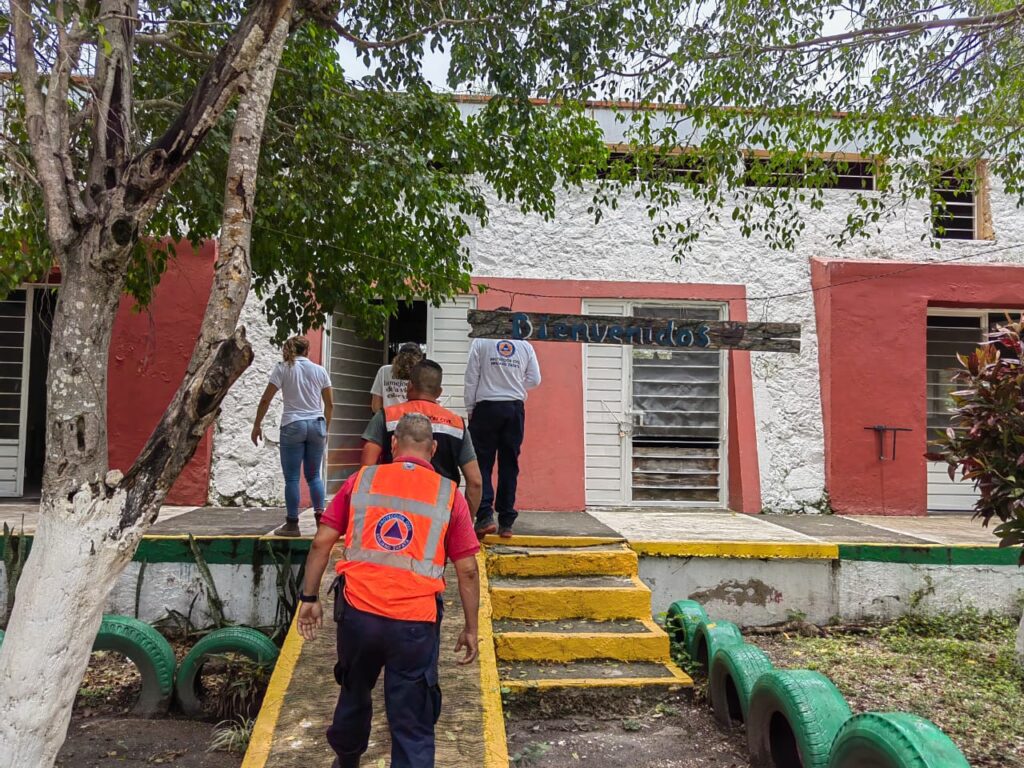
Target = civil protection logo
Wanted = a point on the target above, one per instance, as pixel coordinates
(393, 532)
(506, 348)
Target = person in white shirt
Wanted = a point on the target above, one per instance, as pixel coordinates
(308, 402)
(498, 374)
(392, 380)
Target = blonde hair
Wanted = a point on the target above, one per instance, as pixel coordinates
(401, 366)
(295, 346)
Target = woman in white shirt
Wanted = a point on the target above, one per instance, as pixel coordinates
(308, 402)
(391, 381)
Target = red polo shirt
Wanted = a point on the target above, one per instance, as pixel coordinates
(459, 541)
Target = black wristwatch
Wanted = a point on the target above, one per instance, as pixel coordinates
(308, 598)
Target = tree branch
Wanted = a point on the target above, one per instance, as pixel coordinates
(986, 21)
(332, 23)
(156, 168)
(221, 353)
(112, 130)
(45, 153)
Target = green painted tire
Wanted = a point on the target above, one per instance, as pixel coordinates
(244, 641)
(734, 671)
(149, 652)
(793, 719)
(709, 637)
(682, 620)
(893, 740)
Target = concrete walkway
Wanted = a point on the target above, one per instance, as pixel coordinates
(299, 704)
(632, 524)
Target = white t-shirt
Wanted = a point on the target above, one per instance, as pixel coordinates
(391, 391)
(500, 369)
(301, 386)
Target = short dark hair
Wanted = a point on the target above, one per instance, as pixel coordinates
(503, 309)
(426, 377)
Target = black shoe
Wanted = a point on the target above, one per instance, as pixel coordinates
(316, 517)
(485, 529)
(290, 529)
(505, 531)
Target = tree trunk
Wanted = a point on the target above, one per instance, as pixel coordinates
(1020, 643)
(91, 520)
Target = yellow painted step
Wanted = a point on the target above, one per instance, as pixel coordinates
(577, 639)
(521, 677)
(603, 598)
(600, 560)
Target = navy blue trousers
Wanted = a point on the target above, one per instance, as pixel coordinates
(407, 652)
(497, 429)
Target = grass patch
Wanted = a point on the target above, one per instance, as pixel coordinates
(957, 670)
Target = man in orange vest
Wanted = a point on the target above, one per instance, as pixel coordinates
(401, 522)
(454, 446)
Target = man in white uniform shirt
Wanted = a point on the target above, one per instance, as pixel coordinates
(498, 374)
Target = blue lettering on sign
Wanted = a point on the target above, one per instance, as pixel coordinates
(668, 336)
(522, 328)
(701, 337)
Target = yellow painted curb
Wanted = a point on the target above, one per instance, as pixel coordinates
(551, 541)
(572, 602)
(737, 549)
(649, 645)
(263, 731)
(679, 679)
(495, 739)
(580, 563)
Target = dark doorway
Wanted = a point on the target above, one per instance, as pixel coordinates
(408, 324)
(43, 304)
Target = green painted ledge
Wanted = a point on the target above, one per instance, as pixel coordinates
(216, 550)
(930, 554)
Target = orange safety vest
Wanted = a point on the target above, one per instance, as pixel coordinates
(394, 554)
(449, 432)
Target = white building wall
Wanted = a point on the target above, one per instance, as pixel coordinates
(572, 247)
(787, 400)
(240, 473)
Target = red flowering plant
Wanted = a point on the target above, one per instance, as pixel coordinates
(986, 440)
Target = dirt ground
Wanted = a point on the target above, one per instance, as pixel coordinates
(110, 740)
(103, 732)
(674, 732)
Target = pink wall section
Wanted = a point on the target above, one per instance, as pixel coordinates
(871, 319)
(552, 461)
(149, 352)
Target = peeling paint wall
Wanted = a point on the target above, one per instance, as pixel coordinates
(759, 592)
(747, 592)
(180, 587)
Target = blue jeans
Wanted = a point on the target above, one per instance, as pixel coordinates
(302, 448)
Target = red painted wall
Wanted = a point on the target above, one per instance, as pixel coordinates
(552, 460)
(871, 319)
(149, 352)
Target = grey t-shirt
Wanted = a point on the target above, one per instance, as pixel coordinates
(301, 386)
(376, 432)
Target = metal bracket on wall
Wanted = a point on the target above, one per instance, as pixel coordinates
(880, 430)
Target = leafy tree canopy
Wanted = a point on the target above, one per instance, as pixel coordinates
(367, 187)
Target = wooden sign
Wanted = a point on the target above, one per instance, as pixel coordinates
(638, 331)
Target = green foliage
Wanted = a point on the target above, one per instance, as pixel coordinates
(368, 188)
(232, 736)
(238, 685)
(986, 441)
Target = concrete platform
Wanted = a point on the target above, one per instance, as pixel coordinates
(602, 526)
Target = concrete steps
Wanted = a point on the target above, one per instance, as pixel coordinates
(575, 617)
(578, 639)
